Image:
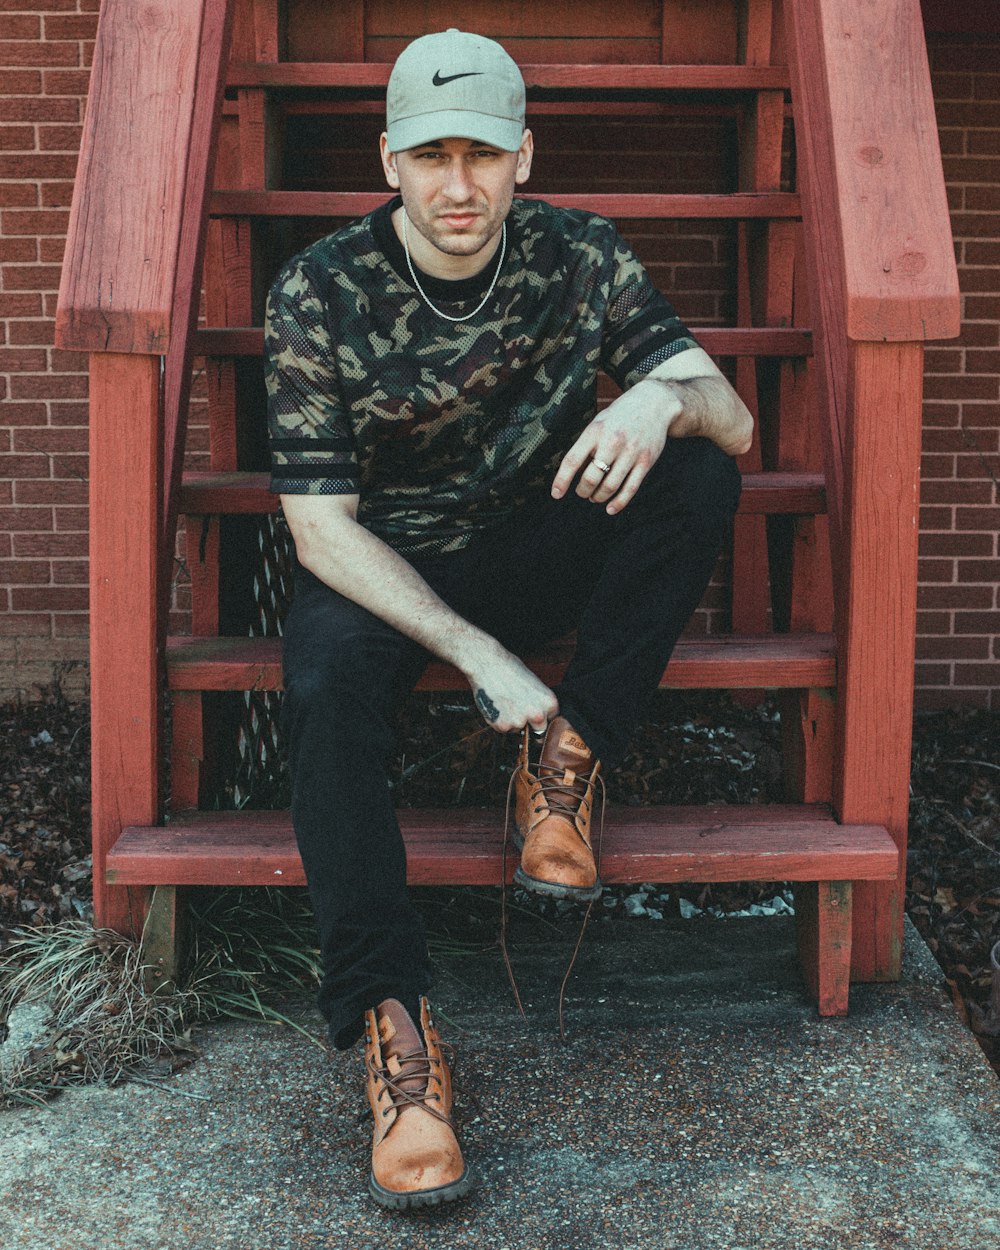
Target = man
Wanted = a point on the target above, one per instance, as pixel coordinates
(432, 374)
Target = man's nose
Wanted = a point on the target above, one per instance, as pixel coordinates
(459, 181)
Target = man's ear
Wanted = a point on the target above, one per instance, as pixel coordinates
(524, 155)
(388, 162)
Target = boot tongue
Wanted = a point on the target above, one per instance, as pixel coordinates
(399, 1037)
(564, 749)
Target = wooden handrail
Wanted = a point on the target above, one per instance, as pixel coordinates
(121, 260)
(866, 127)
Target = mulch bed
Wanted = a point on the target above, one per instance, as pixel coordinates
(695, 748)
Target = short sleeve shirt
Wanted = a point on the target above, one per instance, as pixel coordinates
(443, 428)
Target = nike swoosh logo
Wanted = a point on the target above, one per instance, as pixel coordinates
(438, 81)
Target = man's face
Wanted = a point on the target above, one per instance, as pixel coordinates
(456, 193)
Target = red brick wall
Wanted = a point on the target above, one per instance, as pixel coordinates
(45, 48)
(958, 644)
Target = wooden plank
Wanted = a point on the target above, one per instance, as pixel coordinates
(120, 263)
(540, 104)
(207, 493)
(876, 614)
(761, 142)
(697, 31)
(357, 76)
(463, 847)
(800, 447)
(256, 119)
(716, 340)
(807, 734)
(125, 656)
(203, 539)
(213, 50)
(318, 29)
(163, 938)
(518, 18)
(187, 749)
(760, 170)
(823, 923)
(356, 203)
(610, 49)
(821, 230)
(269, 29)
(754, 20)
(751, 589)
(863, 92)
(228, 295)
(778, 662)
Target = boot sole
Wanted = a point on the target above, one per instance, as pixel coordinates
(552, 889)
(403, 1201)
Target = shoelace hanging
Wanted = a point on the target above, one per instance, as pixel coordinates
(599, 781)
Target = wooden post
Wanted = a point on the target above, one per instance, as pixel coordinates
(876, 636)
(823, 924)
(124, 288)
(125, 649)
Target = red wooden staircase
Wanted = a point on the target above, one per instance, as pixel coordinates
(223, 185)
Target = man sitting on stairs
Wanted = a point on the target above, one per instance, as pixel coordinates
(432, 386)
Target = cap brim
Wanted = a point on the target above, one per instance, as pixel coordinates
(410, 132)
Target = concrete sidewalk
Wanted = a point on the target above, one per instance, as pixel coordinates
(699, 1104)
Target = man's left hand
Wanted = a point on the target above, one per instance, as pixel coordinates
(618, 448)
(686, 395)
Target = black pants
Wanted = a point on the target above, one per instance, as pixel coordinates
(627, 583)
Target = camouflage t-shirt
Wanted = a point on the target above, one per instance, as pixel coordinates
(444, 428)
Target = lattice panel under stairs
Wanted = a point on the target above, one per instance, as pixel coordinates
(259, 772)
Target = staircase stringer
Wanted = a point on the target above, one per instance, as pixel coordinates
(214, 43)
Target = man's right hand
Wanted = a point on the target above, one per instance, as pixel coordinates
(507, 693)
(336, 549)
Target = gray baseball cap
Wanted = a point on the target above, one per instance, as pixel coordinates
(454, 85)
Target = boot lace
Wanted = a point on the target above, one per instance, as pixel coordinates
(560, 797)
(549, 785)
(416, 1065)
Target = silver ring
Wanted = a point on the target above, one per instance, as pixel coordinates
(605, 468)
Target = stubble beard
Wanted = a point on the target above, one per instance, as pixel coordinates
(450, 242)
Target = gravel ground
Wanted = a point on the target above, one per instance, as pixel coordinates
(696, 748)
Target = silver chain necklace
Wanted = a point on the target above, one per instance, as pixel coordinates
(416, 283)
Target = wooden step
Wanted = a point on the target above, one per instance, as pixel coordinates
(768, 494)
(462, 846)
(774, 661)
(350, 204)
(785, 342)
(541, 81)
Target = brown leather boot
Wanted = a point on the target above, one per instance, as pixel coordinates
(552, 815)
(416, 1158)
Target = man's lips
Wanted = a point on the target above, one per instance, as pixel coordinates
(458, 220)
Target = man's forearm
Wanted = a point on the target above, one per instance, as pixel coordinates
(357, 564)
(335, 548)
(710, 408)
